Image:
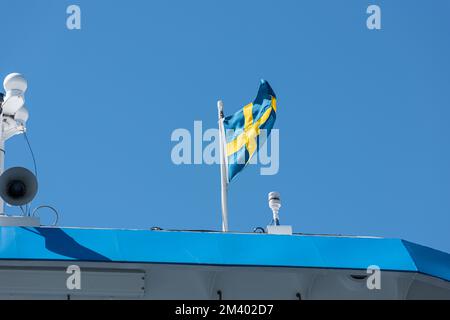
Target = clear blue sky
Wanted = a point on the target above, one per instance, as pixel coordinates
(363, 115)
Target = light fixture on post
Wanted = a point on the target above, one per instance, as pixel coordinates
(15, 86)
(275, 205)
(18, 184)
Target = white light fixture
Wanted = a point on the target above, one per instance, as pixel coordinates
(22, 115)
(275, 205)
(15, 86)
(15, 81)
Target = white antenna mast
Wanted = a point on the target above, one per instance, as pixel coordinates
(18, 184)
(223, 169)
(275, 205)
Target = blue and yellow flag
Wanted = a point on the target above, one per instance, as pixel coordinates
(242, 129)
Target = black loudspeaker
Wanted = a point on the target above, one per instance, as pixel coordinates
(18, 186)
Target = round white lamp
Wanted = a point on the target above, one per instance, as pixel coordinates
(15, 86)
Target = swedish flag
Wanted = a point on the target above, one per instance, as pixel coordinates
(242, 129)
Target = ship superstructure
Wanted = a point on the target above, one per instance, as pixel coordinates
(156, 264)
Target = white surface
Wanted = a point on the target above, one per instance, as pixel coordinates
(100, 283)
(15, 81)
(22, 115)
(287, 230)
(47, 280)
(15, 86)
(19, 221)
(13, 102)
(275, 205)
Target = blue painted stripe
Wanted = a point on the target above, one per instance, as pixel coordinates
(147, 246)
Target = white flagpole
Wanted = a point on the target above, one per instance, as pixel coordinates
(223, 168)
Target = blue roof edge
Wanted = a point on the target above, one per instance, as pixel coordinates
(429, 261)
(216, 248)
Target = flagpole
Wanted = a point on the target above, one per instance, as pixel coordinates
(223, 168)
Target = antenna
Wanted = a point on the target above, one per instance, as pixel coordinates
(275, 205)
(18, 186)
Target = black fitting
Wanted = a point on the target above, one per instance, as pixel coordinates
(259, 230)
(2, 97)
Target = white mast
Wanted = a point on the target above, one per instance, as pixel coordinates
(223, 168)
(13, 116)
(2, 157)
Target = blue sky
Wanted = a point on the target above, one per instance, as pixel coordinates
(363, 114)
